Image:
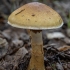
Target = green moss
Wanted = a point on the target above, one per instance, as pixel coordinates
(69, 21)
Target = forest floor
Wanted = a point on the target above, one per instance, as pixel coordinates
(15, 45)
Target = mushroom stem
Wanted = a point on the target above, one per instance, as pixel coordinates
(37, 55)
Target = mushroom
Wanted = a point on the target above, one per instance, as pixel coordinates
(36, 17)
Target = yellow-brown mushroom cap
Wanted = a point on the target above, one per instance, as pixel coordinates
(35, 15)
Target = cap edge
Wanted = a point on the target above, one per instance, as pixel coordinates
(35, 28)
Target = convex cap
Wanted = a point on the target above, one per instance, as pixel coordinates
(35, 15)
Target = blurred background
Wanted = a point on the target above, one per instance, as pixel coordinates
(14, 40)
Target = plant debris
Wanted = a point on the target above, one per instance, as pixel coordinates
(15, 43)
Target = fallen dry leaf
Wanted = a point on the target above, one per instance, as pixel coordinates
(3, 47)
(64, 48)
